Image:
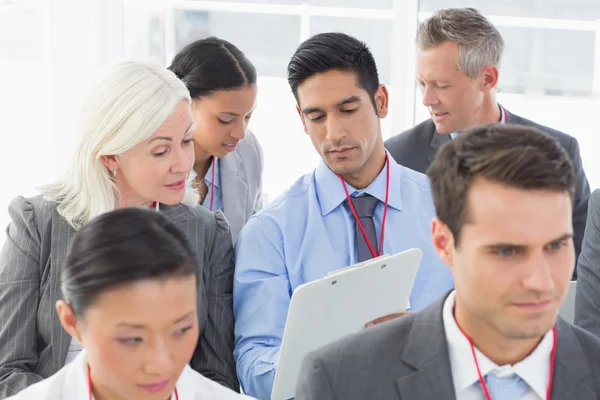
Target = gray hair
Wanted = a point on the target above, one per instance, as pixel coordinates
(479, 42)
(127, 105)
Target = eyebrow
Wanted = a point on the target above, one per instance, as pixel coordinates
(170, 139)
(138, 326)
(499, 246)
(351, 99)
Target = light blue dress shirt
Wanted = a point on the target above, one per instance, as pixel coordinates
(218, 199)
(308, 232)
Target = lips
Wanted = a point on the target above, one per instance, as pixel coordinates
(230, 147)
(177, 185)
(156, 387)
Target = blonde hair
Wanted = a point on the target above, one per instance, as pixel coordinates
(125, 108)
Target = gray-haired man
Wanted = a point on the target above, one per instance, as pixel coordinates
(458, 60)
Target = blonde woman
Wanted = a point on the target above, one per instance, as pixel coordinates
(135, 150)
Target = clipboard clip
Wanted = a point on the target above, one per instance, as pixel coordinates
(356, 266)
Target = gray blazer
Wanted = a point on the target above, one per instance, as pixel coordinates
(417, 147)
(241, 181)
(587, 296)
(33, 345)
(407, 359)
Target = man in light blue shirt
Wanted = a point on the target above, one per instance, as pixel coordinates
(310, 230)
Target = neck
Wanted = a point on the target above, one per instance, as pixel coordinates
(496, 346)
(202, 160)
(489, 112)
(367, 174)
(127, 198)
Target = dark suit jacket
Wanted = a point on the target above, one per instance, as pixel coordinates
(407, 359)
(587, 295)
(33, 344)
(417, 147)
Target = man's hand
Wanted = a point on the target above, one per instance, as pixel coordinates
(386, 318)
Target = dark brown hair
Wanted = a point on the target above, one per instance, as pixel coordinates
(516, 156)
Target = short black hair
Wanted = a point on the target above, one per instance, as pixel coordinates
(334, 51)
(517, 156)
(122, 247)
(212, 64)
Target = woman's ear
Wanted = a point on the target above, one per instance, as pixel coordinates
(111, 163)
(68, 319)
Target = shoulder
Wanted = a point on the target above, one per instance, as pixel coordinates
(563, 138)
(33, 216)
(415, 179)
(373, 343)
(199, 219)
(270, 219)
(418, 135)
(595, 198)
(54, 387)
(295, 196)
(198, 386)
(250, 149)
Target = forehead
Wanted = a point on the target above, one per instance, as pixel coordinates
(328, 88)
(177, 123)
(499, 213)
(146, 302)
(436, 61)
(243, 98)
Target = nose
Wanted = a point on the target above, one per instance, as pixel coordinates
(158, 361)
(430, 97)
(538, 274)
(183, 160)
(334, 129)
(239, 133)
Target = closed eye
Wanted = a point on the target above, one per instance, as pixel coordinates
(130, 341)
(182, 331)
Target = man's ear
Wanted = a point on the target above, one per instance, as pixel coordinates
(491, 74)
(302, 117)
(443, 241)
(382, 99)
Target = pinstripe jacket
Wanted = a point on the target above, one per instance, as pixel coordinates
(33, 345)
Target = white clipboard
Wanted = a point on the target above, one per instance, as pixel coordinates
(343, 302)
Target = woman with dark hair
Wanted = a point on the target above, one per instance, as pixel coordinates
(229, 162)
(129, 284)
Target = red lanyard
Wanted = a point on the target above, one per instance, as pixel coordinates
(356, 217)
(90, 386)
(212, 185)
(482, 381)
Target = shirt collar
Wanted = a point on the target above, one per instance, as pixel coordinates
(330, 193)
(534, 369)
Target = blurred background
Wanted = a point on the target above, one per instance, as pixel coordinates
(51, 50)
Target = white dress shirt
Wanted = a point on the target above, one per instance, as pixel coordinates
(71, 382)
(534, 369)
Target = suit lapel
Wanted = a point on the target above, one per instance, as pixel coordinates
(437, 141)
(426, 351)
(570, 368)
(234, 192)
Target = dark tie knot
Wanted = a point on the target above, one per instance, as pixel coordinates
(365, 205)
